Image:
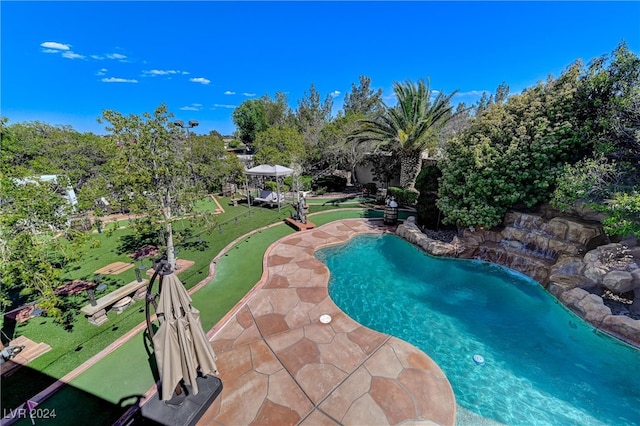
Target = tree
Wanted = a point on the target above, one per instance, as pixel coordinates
(250, 119)
(607, 117)
(279, 145)
(411, 126)
(337, 151)
(312, 115)
(150, 172)
(36, 243)
(33, 149)
(277, 111)
(510, 155)
(205, 155)
(362, 99)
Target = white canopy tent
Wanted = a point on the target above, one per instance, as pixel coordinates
(267, 170)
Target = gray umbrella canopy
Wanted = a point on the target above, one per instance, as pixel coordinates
(267, 170)
(180, 343)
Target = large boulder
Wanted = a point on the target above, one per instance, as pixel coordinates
(567, 272)
(410, 232)
(618, 281)
(572, 297)
(624, 327)
(586, 305)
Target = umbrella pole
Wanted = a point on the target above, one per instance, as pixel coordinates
(246, 188)
(278, 191)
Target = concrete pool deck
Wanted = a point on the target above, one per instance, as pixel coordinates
(280, 365)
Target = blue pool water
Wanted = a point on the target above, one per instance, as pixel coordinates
(543, 364)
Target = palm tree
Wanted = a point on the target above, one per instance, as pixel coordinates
(410, 127)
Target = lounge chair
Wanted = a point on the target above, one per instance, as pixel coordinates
(269, 197)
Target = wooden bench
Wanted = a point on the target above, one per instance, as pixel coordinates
(97, 314)
(299, 225)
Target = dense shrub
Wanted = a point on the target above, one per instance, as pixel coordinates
(427, 183)
(371, 188)
(404, 197)
(331, 182)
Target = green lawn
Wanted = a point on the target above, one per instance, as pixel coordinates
(127, 370)
(72, 347)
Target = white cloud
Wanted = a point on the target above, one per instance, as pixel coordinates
(335, 93)
(55, 45)
(229, 92)
(472, 93)
(223, 106)
(117, 56)
(97, 57)
(154, 73)
(249, 94)
(50, 51)
(72, 55)
(118, 80)
(102, 71)
(201, 80)
(192, 107)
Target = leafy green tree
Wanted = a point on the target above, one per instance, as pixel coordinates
(277, 111)
(33, 149)
(312, 115)
(511, 155)
(250, 119)
(607, 118)
(205, 155)
(337, 151)
(607, 107)
(36, 243)
(151, 174)
(279, 145)
(411, 126)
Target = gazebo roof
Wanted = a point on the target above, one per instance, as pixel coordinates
(267, 170)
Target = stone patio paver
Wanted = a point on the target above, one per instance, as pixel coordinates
(281, 366)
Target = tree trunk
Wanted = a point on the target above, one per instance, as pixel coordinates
(171, 257)
(410, 165)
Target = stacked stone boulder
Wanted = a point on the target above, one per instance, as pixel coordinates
(615, 267)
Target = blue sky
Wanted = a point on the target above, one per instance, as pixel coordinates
(66, 62)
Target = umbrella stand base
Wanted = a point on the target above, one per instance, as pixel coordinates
(189, 410)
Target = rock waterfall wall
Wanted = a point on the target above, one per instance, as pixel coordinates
(568, 256)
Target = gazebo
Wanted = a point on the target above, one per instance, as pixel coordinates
(266, 170)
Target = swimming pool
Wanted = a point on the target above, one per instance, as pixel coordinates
(543, 364)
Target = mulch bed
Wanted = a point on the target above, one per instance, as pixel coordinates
(146, 251)
(74, 287)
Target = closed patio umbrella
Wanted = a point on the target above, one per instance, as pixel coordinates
(180, 344)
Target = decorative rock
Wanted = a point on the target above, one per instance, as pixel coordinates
(595, 272)
(567, 272)
(410, 232)
(572, 297)
(618, 281)
(627, 328)
(593, 309)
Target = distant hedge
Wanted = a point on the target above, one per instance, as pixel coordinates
(332, 183)
(404, 197)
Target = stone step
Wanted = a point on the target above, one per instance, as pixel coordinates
(30, 352)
